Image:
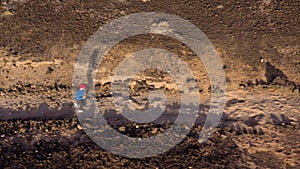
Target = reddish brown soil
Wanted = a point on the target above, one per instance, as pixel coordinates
(39, 44)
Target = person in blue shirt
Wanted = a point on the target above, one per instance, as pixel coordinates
(81, 96)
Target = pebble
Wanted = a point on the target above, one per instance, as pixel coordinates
(79, 127)
(220, 6)
(122, 128)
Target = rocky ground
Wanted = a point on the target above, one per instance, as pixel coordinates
(257, 41)
(254, 132)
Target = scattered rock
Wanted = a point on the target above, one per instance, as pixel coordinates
(242, 85)
(220, 6)
(122, 128)
(49, 70)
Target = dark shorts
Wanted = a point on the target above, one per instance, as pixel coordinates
(81, 103)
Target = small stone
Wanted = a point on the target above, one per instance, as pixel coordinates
(49, 70)
(154, 131)
(7, 13)
(79, 127)
(122, 128)
(242, 85)
(122, 12)
(220, 6)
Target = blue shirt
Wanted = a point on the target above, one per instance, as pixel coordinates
(79, 94)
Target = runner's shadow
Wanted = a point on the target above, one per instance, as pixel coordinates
(273, 72)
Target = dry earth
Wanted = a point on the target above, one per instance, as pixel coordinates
(257, 41)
